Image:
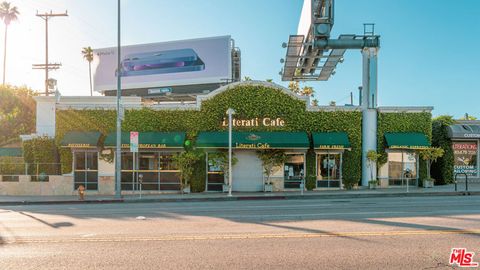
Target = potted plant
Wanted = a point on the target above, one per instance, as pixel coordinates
(220, 160)
(372, 157)
(185, 162)
(271, 160)
(430, 155)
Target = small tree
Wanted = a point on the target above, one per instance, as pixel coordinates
(220, 160)
(372, 157)
(270, 159)
(185, 162)
(431, 155)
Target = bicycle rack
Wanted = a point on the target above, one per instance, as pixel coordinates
(466, 181)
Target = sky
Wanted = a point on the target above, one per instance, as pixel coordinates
(428, 57)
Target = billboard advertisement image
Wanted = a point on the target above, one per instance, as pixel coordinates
(185, 62)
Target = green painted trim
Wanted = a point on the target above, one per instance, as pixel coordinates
(11, 152)
(155, 139)
(76, 139)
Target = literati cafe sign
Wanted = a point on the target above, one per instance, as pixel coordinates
(255, 122)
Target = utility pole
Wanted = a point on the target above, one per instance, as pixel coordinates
(47, 66)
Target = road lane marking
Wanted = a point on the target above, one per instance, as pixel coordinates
(239, 236)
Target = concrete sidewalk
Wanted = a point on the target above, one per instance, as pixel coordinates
(445, 190)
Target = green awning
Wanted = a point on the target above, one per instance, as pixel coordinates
(254, 140)
(330, 140)
(11, 152)
(149, 139)
(77, 139)
(406, 140)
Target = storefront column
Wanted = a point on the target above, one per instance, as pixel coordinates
(369, 142)
(369, 111)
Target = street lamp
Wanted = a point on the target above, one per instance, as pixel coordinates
(119, 113)
(230, 111)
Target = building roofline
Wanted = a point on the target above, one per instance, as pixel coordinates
(201, 98)
(410, 109)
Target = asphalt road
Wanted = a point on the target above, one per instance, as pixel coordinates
(373, 233)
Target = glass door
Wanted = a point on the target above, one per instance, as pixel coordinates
(85, 170)
(147, 171)
(215, 176)
(402, 167)
(294, 171)
(329, 170)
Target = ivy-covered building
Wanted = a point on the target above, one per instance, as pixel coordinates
(320, 146)
(460, 140)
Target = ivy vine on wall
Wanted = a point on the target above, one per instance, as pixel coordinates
(249, 101)
(403, 122)
(442, 170)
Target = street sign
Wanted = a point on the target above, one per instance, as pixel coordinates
(134, 141)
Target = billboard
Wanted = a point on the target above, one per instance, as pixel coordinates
(184, 62)
(305, 21)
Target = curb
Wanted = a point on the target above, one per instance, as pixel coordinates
(245, 198)
(10, 203)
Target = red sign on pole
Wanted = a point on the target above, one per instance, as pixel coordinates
(134, 141)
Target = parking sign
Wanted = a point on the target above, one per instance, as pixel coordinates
(134, 141)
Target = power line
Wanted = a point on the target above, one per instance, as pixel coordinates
(48, 66)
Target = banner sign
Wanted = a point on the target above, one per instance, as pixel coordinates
(465, 155)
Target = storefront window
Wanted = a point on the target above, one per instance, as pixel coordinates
(402, 167)
(465, 155)
(127, 177)
(294, 170)
(328, 169)
(86, 170)
(154, 170)
(215, 176)
(169, 172)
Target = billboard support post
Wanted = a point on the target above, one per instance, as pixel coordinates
(119, 112)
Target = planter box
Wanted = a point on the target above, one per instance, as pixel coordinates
(268, 188)
(427, 183)
(372, 185)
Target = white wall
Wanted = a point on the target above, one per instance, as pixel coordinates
(45, 124)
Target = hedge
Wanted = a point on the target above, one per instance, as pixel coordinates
(197, 183)
(311, 174)
(442, 170)
(43, 151)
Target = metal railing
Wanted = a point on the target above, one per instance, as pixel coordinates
(33, 169)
